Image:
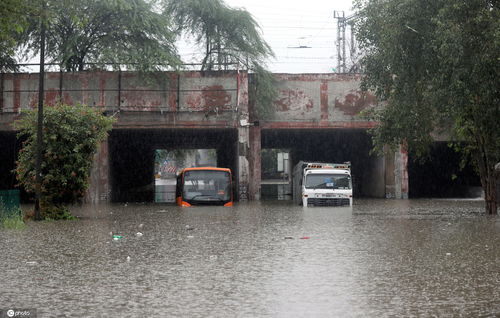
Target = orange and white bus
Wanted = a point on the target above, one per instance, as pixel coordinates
(204, 186)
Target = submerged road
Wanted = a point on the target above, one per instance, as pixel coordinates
(380, 258)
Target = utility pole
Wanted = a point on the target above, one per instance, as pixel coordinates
(39, 133)
(342, 23)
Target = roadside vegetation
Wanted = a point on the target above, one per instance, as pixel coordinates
(436, 64)
(136, 35)
(11, 218)
(71, 136)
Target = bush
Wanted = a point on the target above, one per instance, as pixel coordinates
(71, 135)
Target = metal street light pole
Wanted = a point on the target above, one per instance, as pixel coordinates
(39, 135)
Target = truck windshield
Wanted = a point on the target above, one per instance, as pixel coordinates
(207, 185)
(328, 181)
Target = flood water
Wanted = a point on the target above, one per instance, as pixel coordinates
(380, 258)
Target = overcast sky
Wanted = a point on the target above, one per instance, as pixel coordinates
(289, 24)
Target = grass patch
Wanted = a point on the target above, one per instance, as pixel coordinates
(13, 222)
(12, 218)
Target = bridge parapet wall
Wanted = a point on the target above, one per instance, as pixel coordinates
(201, 100)
(183, 98)
(320, 100)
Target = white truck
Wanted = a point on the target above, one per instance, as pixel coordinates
(322, 184)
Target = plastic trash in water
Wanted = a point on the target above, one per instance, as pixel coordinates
(305, 238)
(288, 237)
(138, 234)
(117, 237)
(128, 258)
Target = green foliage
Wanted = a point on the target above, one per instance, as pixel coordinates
(103, 31)
(11, 218)
(226, 35)
(13, 223)
(397, 65)
(13, 20)
(71, 135)
(436, 64)
(262, 88)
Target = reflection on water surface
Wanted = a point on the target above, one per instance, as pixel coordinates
(378, 258)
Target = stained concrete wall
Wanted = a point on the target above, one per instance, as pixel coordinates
(206, 100)
(328, 103)
(319, 101)
(182, 99)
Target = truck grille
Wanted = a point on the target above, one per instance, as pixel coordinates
(328, 201)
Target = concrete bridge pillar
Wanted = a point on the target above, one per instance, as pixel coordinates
(100, 188)
(396, 173)
(255, 163)
(243, 163)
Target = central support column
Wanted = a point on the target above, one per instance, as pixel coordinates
(255, 163)
(99, 189)
(243, 163)
(396, 173)
(401, 174)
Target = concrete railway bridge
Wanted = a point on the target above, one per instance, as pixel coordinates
(315, 117)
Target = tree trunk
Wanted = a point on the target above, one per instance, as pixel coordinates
(488, 177)
(490, 196)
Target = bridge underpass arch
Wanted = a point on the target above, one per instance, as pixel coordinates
(441, 175)
(132, 155)
(333, 145)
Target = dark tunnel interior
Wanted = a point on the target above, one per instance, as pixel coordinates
(132, 156)
(9, 149)
(440, 176)
(131, 159)
(322, 145)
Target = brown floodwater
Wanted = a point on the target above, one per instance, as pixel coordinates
(380, 258)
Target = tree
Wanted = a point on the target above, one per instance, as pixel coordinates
(71, 136)
(13, 21)
(227, 36)
(436, 64)
(101, 31)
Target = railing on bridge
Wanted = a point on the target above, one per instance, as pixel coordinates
(117, 90)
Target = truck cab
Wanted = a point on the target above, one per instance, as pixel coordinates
(322, 184)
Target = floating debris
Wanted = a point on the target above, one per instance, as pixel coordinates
(305, 238)
(117, 237)
(128, 258)
(288, 237)
(189, 228)
(139, 234)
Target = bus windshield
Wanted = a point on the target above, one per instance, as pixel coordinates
(328, 181)
(207, 185)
